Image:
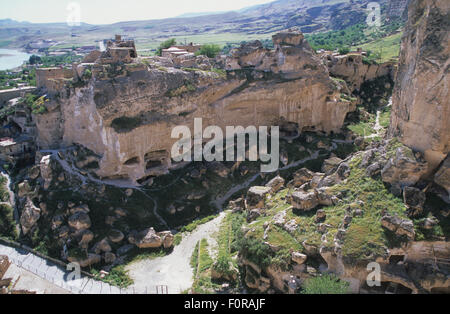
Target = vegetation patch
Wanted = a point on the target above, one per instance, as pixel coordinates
(201, 262)
(7, 223)
(188, 87)
(118, 277)
(325, 284)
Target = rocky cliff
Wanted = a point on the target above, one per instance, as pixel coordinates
(125, 112)
(421, 108)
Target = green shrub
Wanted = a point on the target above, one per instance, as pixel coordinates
(344, 50)
(87, 75)
(166, 45)
(222, 265)
(118, 277)
(194, 225)
(255, 251)
(209, 50)
(7, 223)
(325, 284)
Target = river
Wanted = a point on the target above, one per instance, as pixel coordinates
(10, 59)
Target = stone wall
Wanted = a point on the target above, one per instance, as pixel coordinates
(52, 79)
(7, 95)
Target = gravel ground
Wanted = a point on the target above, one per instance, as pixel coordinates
(173, 270)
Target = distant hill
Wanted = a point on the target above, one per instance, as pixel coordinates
(256, 22)
(195, 14)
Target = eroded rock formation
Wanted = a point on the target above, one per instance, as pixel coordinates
(125, 112)
(421, 108)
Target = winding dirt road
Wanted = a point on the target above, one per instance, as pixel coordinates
(173, 270)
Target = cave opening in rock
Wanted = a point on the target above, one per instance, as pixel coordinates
(395, 259)
(156, 159)
(145, 180)
(386, 287)
(132, 161)
(153, 164)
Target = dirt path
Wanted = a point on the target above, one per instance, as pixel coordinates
(173, 270)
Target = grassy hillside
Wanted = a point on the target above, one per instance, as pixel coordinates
(388, 47)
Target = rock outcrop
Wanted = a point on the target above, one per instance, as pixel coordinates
(125, 111)
(421, 107)
(355, 70)
(149, 238)
(30, 216)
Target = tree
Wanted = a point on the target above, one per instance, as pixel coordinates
(344, 50)
(165, 45)
(34, 59)
(209, 50)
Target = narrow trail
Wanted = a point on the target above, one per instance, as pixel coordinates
(116, 183)
(155, 210)
(174, 270)
(378, 127)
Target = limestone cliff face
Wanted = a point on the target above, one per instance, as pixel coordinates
(355, 71)
(126, 112)
(421, 107)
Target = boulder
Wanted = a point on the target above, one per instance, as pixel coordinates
(124, 249)
(302, 176)
(280, 219)
(91, 259)
(24, 189)
(330, 165)
(253, 214)
(80, 221)
(414, 199)
(116, 236)
(46, 170)
(81, 208)
(148, 239)
(86, 237)
(57, 221)
(102, 246)
(321, 215)
(399, 226)
(374, 169)
(291, 226)
(237, 205)
(30, 216)
(299, 258)
(305, 201)
(429, 223)
(63, 232)
(109, 258)
(404, 169)
(167, 239)
(256, 197)
(276, 184)
(325, 197)
(34, 173)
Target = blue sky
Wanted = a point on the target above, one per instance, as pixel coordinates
(110, 11)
